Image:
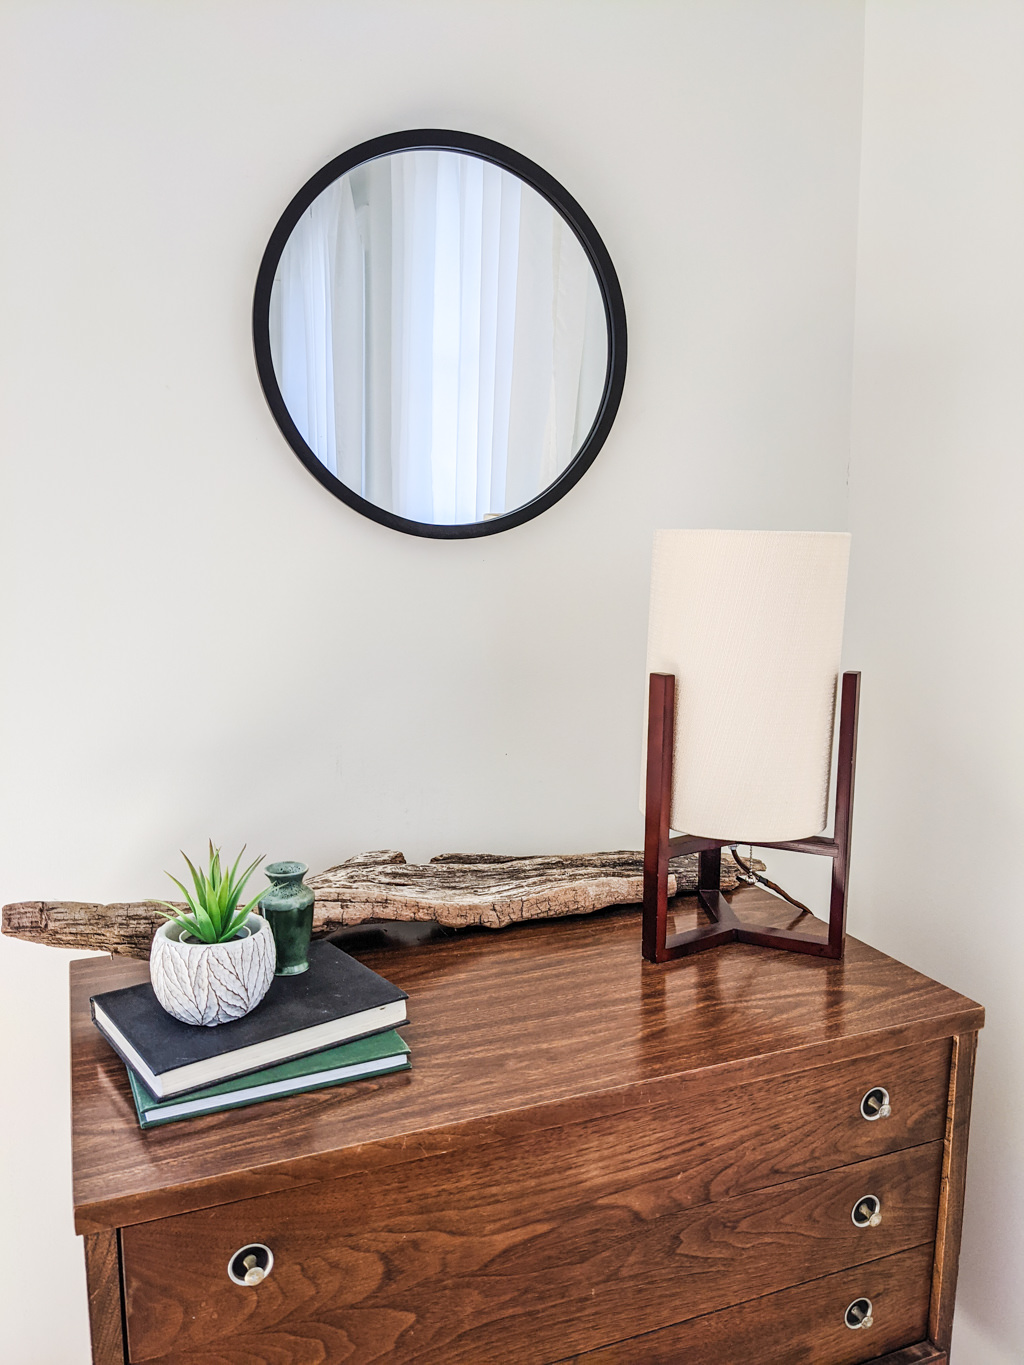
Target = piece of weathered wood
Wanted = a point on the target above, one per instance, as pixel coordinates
(454, 889)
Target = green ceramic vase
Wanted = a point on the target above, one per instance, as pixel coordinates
(288, 906)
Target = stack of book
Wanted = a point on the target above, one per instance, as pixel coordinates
(332, 1024)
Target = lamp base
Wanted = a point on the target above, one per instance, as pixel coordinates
(725, 926)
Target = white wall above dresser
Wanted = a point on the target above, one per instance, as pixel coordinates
(199, 639)
(937, 573)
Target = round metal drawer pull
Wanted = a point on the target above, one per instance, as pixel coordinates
(859, 1314)
(875, 1104)
(251, 1264)
(867, 1212)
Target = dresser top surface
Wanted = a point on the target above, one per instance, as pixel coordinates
(514, 1030)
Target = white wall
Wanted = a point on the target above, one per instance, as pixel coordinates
(938, 568)
(199, 639)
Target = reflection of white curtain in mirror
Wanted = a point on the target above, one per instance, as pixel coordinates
(438, 336)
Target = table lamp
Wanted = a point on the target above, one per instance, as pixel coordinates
(743, 657)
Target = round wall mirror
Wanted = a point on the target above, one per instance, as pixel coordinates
(440, 333)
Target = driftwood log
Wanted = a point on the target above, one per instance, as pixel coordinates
(453, 889)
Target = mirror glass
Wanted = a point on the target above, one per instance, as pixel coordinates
(438, 336)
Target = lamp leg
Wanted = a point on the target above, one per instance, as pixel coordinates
(658, 802)
(846, 769)
(709, 879)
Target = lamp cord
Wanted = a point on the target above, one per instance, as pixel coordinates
(747, 874)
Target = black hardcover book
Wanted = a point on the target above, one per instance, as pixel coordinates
(336, 1000)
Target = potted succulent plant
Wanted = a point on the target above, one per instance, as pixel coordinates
(214, 960)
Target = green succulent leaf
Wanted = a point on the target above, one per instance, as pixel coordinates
(236, 923)
(247, 874)
(254, 903)
(213, 914)
(241, 916)
(209, 928)
(189, 900)
(174, 909)
(185, 922)
(173, 914)
(234, 869)
(197, 877)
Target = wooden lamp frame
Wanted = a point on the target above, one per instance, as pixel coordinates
(725, 927)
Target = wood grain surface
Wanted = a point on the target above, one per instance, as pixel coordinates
(804, 1324)
(921, 1353)
(954, 1178)
(453, 889)
(547, 1245)
(103, 1279)
(551, 1023)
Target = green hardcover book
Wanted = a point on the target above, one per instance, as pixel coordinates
(373, 1056)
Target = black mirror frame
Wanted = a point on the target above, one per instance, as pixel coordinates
(439, 139)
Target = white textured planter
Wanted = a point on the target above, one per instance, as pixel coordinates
(210, 983)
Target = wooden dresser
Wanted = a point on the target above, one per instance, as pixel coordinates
(718, 1162)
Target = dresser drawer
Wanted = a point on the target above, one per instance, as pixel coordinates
(510, 1253)
(805, 1324)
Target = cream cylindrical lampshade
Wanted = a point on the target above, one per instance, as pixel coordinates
(751, 625)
